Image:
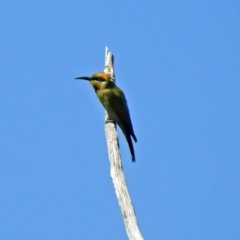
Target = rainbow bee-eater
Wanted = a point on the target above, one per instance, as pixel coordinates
(115, 103)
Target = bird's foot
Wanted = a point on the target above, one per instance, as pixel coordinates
(109, 120)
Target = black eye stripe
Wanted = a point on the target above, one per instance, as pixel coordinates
(98, 79)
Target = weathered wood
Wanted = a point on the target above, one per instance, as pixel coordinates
(116, 172)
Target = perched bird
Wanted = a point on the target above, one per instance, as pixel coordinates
(115, 103)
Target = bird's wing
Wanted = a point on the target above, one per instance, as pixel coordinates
(120, 113)
(118, 104)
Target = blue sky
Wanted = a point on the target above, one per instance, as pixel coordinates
(178, 64)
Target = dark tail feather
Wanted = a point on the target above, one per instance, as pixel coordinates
(134, 137)
(129, 140)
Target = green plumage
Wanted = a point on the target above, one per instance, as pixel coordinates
(115, 103)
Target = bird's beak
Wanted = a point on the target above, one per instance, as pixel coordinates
(84, 78)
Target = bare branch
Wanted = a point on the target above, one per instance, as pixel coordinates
(116, 172)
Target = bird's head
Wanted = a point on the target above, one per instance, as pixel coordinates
(99, 80)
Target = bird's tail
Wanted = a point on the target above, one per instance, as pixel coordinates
(134, 137)
(129, 140)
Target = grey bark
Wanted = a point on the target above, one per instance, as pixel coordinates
(116, 171)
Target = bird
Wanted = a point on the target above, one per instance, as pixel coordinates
(115, 103)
